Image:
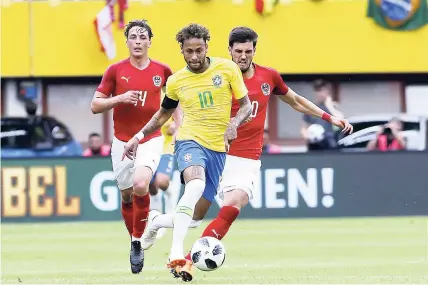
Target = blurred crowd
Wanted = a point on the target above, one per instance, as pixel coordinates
(44, 133)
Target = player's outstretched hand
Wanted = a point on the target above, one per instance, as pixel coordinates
(130, 97)
(343, 124)
(130, 150)
(229, 136)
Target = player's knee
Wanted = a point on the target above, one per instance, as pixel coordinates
(126, 195)
(163, 183)
(237, 198)
(141, 186)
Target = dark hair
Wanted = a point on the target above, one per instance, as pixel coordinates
(193, 31)
(242, 35)
(91, 135)
(319, 84)
(138, 23)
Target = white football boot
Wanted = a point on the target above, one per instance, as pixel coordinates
(149, 236)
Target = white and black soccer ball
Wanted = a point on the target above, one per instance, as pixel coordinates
(208, 253)
(315, 133)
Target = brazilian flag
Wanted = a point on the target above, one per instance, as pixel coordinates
(402, 15)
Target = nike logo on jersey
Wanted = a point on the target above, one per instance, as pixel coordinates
(143, 220)
(216, 234)
(126, 79)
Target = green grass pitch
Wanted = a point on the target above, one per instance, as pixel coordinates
(281, 251)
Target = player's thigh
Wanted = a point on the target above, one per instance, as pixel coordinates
(147, 161)
(122, 169)
(201, 209)
(213, 172)
(191, 160)
(239, 174)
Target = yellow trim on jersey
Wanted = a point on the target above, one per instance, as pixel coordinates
(206, 99)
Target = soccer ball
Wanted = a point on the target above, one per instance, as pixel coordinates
(315, 133)
(208, 253)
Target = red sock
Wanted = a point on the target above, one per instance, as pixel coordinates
(221, 224)
(128, 216)
(141, 205)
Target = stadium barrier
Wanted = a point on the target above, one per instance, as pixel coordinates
(291, 185)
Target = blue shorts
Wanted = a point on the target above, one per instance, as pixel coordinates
(166, 166)
(190, 153)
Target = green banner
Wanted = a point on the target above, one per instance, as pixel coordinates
(401, 15)
(289, 185)
(59, 189)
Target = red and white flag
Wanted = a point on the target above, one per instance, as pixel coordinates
(265, 7)
(103, 27)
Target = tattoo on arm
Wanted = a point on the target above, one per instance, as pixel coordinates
(244, 111)
(157, 121)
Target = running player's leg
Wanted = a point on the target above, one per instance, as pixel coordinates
(155, 197)
(160, 181)
(236, 189)
(214, 170)
(192, 160)
(146, 162)
(158, 187)
(123, 176)
(164, 172)
(123, 173)
(165, 221)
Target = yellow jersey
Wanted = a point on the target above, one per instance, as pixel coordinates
(168, 147)
(206, 99)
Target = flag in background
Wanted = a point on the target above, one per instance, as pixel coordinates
(265, 7)
(103, 27)
(401, 15)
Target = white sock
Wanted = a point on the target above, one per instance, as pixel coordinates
(163, 221)
(167, 221)
(134, 239)
(156, 202)
(183, 216)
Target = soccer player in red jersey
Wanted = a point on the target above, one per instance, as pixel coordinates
(132, 88)
(243, 158)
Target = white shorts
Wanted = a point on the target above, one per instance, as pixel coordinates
(239, 173)
(148, 154)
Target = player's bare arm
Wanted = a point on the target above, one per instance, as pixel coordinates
(102, 102)
(157, 121)
(332, 108)
(177, 120)
(243, 113)
(303, 105)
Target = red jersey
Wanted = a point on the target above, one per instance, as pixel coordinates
(261, 85)
(122, 77)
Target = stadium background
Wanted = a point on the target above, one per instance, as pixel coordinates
(51, 53)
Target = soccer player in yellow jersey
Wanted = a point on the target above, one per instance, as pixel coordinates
(204, 88)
